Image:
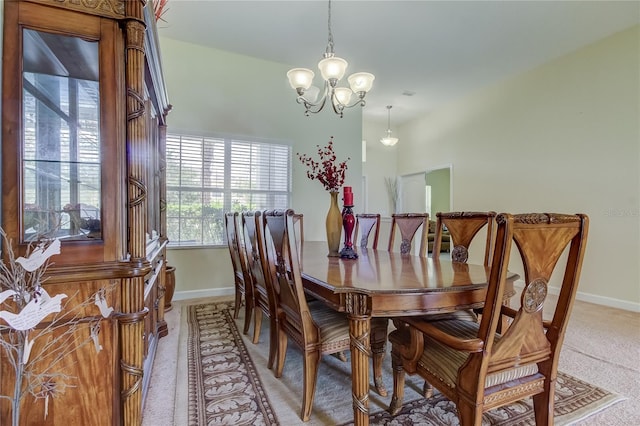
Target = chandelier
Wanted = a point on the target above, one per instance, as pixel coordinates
(332, 69)
(388, 140)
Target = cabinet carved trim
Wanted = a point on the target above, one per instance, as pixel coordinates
(137, 99)
(137, 374)
(139, 191)
(100, 271)
(107, 8)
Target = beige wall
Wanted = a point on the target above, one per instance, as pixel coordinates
(564, 138)
(221, 93)
(381, 163)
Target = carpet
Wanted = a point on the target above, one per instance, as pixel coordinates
(229, 384)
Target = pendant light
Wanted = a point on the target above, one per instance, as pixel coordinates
(388, 140)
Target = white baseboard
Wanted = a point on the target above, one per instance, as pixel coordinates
(197, 294)
(607, 301)
(593, 298)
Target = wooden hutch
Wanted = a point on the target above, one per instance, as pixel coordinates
(83, 158)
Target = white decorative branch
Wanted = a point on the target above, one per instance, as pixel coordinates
(393, 192)
(24, 306)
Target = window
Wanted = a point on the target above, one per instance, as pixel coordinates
(207, 176)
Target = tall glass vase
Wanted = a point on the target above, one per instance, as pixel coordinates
(334, 226)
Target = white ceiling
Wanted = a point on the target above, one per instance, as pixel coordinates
(438, 50)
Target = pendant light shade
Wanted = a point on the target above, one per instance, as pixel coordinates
(300, 78)
(332, 69)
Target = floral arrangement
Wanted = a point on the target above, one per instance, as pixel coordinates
(326, 170)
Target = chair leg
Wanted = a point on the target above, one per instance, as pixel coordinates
(281, 353)
(395, 406)
(543, 404)
(238, 302)
(273, 342)
(340, 355)
(257, 325)
(311, 364)
(248, 313)
(378, 343)
(469, 414)
(427, 390)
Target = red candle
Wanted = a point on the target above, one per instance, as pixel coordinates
(348, 196)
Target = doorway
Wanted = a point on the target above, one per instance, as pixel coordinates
(438, 182)
(429, 191)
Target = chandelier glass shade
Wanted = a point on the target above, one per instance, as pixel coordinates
(388, 140)
(332, 69)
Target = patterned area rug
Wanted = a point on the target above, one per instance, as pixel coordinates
(229, 384)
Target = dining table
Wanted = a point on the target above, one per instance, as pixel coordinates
(388, 284)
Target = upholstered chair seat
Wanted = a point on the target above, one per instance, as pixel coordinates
(334, 326)
(432, 359)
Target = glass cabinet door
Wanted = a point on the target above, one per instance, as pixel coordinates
(61, 164)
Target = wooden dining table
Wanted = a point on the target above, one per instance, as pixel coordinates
(386, 284)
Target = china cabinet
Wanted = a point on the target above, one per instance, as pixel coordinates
(84, 112)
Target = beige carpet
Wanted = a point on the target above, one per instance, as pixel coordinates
(228, 383)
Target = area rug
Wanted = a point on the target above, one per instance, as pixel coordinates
(229, 384)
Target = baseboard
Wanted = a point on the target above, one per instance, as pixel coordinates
(197, 294)
(593, 298)
(606, 301)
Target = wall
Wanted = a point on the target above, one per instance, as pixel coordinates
(217, 92)
(381, 163)
(564, 138)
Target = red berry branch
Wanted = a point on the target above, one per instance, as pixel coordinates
(326, 170)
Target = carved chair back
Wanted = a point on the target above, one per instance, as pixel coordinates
(298, 222)
(263, 295)
(238, 261)
(366, 223)
(463, 227)
(408, 224)
(283, 270)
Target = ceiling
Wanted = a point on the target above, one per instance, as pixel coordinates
(423, 53)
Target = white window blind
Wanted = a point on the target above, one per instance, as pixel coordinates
(208, 176)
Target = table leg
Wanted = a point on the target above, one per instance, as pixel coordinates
(359, 315)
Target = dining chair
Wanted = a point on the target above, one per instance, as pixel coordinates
(243, 288)
(313, 326)
(408, 224)
(263, 295)
(462, 228)
(473, 365)
(298, 222)
(366, 223)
